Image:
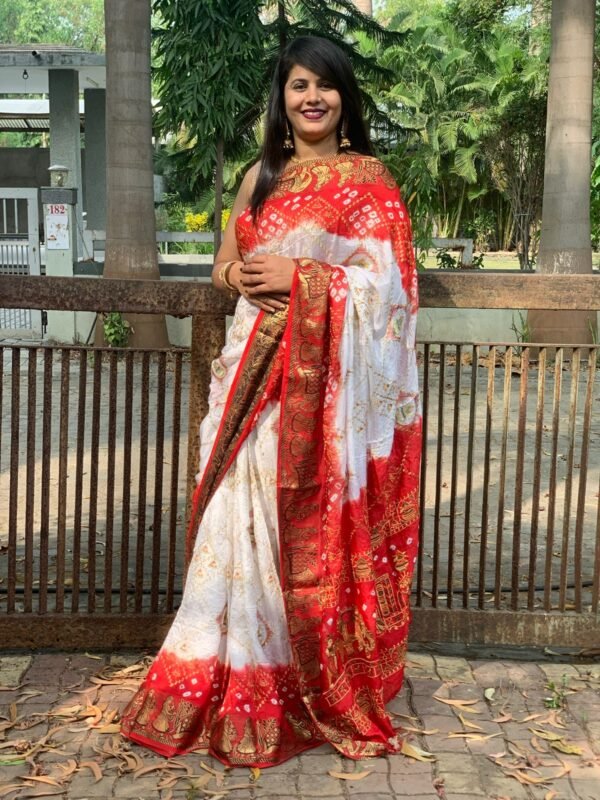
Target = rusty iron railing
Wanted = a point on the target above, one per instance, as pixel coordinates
(97, 456)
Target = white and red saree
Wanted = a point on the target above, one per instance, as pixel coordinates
(293, 625)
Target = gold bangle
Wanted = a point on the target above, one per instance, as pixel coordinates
(224, 276)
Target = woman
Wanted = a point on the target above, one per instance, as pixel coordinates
(292, 629)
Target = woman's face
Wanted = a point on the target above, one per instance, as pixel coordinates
(312, 105)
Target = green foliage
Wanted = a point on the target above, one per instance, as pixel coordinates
(595, 196)
(71, 23)
(521, 329)
(116, 329)
(558, 693)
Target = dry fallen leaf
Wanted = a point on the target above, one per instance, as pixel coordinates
(412, 751)
(348, 776)
(537, 745)
(530, 718)
(566, 747)
(503, 718)
(489, 694)
(41, 779)
(94, 767)
(550, 795)
(255, 772)
(458, 703)
(468, 724)
(476, 737)
(524, 778)
(547, 735)
(113, 727)
(420, 731)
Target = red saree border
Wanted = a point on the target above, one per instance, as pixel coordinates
(256, 380)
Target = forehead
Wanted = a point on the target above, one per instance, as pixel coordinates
(298, 72)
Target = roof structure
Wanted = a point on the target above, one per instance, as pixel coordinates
(24, 68)
(29, 115)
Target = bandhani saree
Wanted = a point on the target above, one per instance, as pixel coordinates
(293, 624)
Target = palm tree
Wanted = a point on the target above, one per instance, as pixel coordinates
(130, 222)
(565, 245)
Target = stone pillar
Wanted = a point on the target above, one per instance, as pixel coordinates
(65, 135)
(95, 158)
(65, 149)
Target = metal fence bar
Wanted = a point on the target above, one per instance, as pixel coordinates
(502, 486)
(158, 481)
(424, 461)
(520, 461)
(454, 476)
(94, 466)
(583, 470)
(564, 550)
(174, 491)
(438, 478)
(127, 436)
(14, 480)
(548, 573)
(469, 478)
(537, 476)
(62, 481)
(79, 459)
(110, 481)
(485, 516)
(45, 481)
(141, 526)
(30, 478)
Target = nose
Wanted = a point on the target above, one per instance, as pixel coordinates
(313, 94)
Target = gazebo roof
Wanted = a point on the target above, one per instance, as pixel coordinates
(29, 115)
(24, 68)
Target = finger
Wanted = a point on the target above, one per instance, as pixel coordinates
(259, 258)
(252, 280)
(259, 288)
(261, 305)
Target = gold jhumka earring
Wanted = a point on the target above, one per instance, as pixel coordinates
(345, 142)
(288, 142)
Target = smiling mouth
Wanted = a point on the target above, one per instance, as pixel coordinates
(314, 114)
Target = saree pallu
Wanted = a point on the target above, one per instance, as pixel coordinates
(293, 624)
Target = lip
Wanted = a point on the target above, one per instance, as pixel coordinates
(314, 113)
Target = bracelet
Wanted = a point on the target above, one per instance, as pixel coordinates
(224, 276)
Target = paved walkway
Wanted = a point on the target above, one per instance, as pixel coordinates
(487, 729)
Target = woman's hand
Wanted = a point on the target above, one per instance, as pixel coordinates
(269, 302)
(267, 274)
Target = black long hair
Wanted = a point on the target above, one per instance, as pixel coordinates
(329, 62)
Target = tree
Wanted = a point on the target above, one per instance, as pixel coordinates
(211, 81)
(565, 245)
(130, 222)
(70, 23)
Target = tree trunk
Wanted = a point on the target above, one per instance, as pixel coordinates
(218, 193)
(565, 245)
(130, 221)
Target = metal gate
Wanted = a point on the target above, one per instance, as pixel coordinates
(19, 255)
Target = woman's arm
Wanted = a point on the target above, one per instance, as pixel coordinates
(267, 300)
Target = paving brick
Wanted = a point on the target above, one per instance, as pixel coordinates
(424, 686)
(526, 675)
(13, 668)
(275, 784)
(587, 790)
(489, 674)
(421, 665)
(463, 783)
(454, 669)
(82, 786)
(456, 762)
(402, 765)
(319, 785)
(320, 763)
(412, 784)
(375, 783)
